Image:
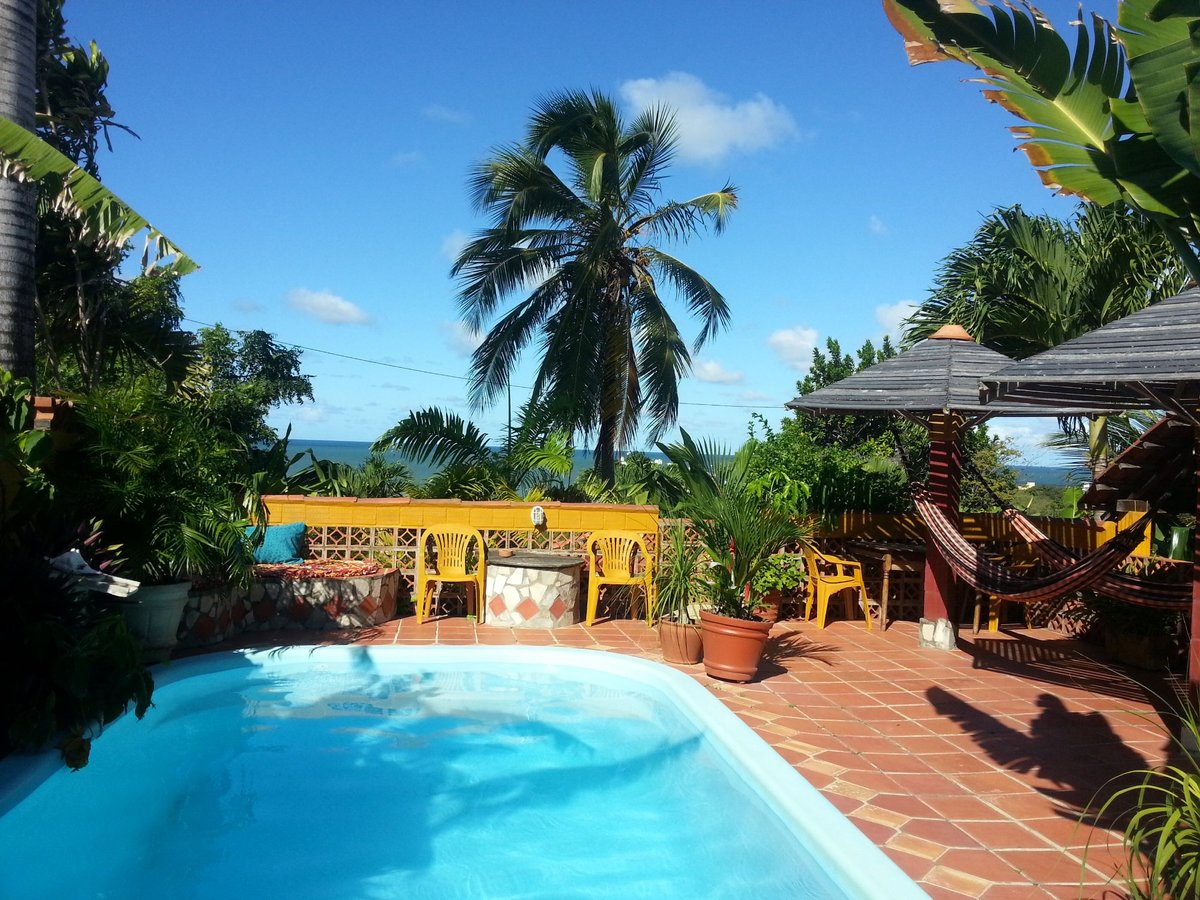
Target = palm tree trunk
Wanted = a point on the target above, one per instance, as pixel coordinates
(1099, 451)
(18, 202)
(604, 460)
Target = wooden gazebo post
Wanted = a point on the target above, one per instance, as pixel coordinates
(943, 483)
(936, 384)
(1194, 634)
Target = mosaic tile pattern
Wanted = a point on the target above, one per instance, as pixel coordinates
(318, 604)
(970, 769)
(520, 597)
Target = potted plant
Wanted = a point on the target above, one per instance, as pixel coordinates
(159, 472)
(777, 581)
(739, 533)
(677, 581)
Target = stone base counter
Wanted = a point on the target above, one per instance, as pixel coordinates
(532, 590)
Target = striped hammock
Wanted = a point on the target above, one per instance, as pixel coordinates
(1118, 585)
(995, 579)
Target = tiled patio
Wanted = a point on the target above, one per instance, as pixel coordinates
(970, 769)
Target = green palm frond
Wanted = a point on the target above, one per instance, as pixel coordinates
(703, 300)
(680, 221)
(664, 359)
(104, 216)
(437, 436)
(497, 356)
(1096, 125)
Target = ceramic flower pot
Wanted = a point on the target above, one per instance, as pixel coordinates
(680, 643)
(732, 647)
(154, 617)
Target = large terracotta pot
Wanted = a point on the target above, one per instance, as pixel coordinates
(732, 647)
(680, 643)
(154, 617)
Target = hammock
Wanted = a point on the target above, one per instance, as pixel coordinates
(1118, 585)
(998, 581)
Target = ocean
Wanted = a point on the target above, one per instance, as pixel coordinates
(354, 452)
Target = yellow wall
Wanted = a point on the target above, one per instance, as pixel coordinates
(404, 512)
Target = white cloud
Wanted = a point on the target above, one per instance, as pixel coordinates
(710, 125)
(327, 307)
(877, 226)
(445, 114)
(712, 372)
(406, 158)
(308, 415)
(246, 305)
(794, 346)
(462, 339)
(891, 316)
(754, 396)
(453, 244)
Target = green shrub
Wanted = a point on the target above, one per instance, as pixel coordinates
(1162, 825)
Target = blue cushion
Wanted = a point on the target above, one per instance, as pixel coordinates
(281, 544)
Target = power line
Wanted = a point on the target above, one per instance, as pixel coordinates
(388, 365)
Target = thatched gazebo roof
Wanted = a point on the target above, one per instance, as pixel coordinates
(1147, 360)
(940, 374)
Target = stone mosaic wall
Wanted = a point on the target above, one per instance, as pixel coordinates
(316, 604)
(521, 597)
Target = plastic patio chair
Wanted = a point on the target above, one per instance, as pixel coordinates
(830, 576)
(612, 559)
(451, 544)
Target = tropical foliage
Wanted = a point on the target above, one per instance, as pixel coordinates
(829, 464)
(585, 253)
(737, 531)
(244, 376)
(377, 476)
(533, 462)
(66, 660)
(679, 576)
(1160, 815)
(1025, 283)
(1106, 116)
(80, 221)
(162, 472)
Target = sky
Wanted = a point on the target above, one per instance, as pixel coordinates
(313, 158)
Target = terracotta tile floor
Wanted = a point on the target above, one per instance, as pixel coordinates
(970, 769)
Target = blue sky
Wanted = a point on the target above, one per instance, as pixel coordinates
(313, 157)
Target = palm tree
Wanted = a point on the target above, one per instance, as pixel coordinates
(1026, 283)
(577, 250)
(18, 201)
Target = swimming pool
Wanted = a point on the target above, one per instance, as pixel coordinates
(379, 772)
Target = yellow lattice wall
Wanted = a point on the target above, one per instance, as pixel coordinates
(389, 530)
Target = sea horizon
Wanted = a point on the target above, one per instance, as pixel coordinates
(356, 452)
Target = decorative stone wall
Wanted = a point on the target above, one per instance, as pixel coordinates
(317, 604)
(521, 597)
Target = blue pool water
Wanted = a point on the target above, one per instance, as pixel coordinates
(429, 772)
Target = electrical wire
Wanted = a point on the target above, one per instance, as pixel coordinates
(388, 365)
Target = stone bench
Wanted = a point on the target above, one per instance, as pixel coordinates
(321, 595)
